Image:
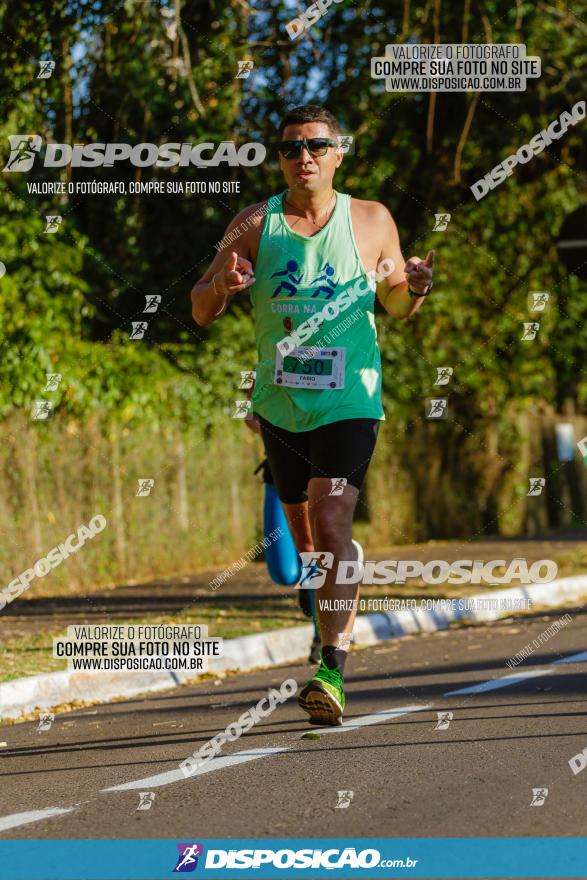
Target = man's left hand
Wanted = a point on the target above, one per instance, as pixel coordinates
(419, 272)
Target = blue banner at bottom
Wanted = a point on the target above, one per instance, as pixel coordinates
(282, 859)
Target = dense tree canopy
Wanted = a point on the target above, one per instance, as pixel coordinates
(165, 72)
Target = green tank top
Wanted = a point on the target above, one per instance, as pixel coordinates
(312, 293)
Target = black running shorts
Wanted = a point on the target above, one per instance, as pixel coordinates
(340, 449)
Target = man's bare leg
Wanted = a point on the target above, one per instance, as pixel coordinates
(299, 526)
(331, 518)
(331, 522)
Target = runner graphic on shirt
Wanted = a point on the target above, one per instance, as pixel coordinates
(292, 284)
(330, 286)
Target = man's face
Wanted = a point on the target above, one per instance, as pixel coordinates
(308, 173)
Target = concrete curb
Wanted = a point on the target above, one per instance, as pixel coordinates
(265, 650)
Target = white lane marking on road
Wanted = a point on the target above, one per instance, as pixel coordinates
(17, 819)
(176, 775)
(504, 681)
(171, 776)
(375, 718)
(573, 658)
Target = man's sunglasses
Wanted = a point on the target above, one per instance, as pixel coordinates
(314, 146)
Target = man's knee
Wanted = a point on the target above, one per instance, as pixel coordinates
(331, 527)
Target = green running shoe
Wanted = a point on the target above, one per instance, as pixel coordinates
(323, 696)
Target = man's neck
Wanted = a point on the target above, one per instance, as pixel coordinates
(310, 205)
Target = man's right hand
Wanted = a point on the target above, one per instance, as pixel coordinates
(236, 275)
(252, 422)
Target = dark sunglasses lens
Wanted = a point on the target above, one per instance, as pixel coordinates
(290, 149)
(318, 146)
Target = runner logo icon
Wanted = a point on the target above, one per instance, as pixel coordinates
(291, 279)
(314, 568)
(187, 860)
(23, 149)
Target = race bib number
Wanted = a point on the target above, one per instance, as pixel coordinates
(318, 368)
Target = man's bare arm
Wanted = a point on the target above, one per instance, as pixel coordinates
(392, 291)
(229, 273)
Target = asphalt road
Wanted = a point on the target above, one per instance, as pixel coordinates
(476, 777)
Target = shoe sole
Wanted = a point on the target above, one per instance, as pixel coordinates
(320, 705)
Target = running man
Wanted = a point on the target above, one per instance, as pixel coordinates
(318, 406)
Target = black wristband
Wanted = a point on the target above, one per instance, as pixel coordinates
(415, 293)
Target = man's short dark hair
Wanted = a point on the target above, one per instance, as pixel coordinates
(310, 113)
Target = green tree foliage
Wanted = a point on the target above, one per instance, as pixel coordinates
(165, 72)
